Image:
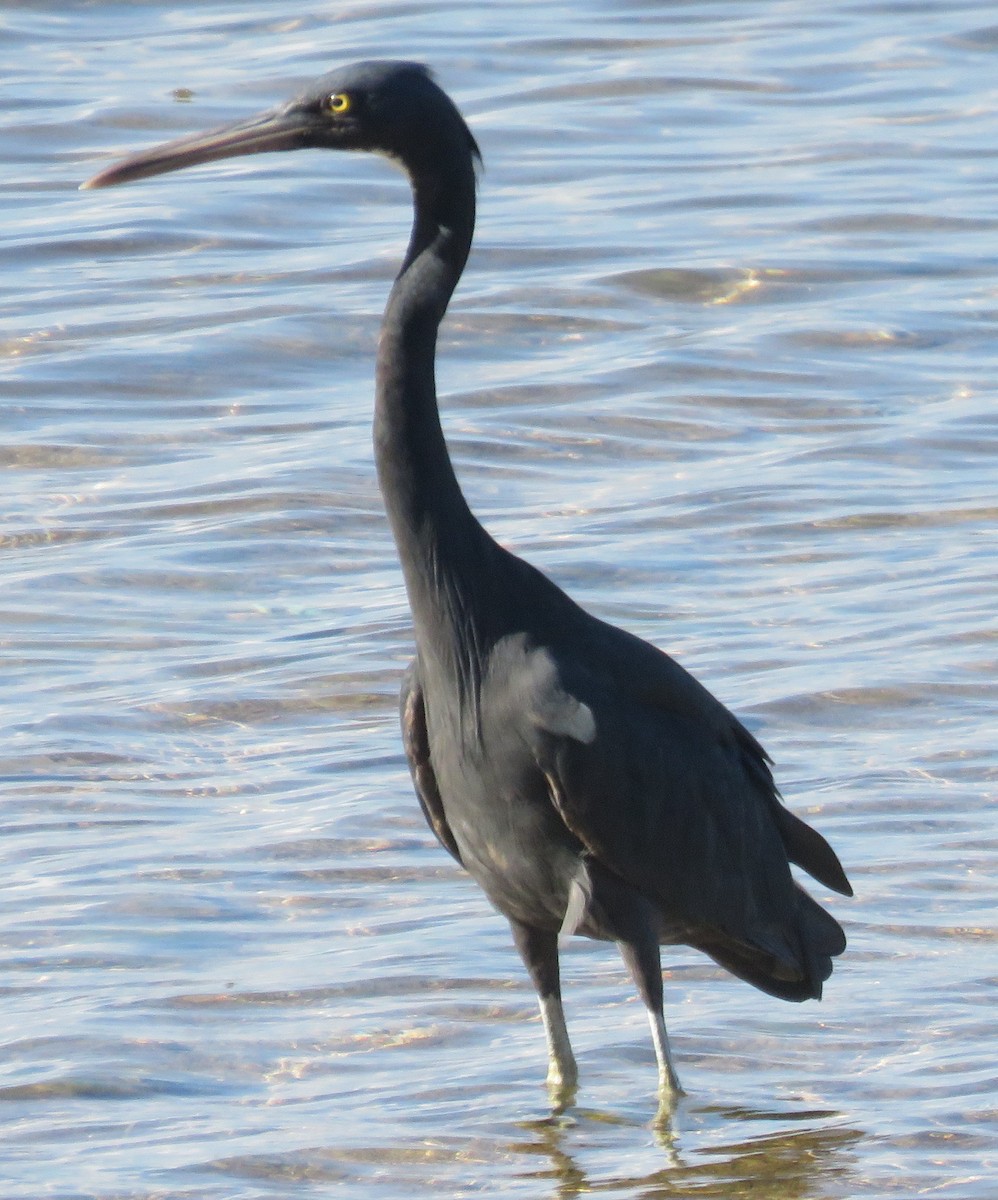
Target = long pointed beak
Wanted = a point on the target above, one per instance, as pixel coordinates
(286, 128)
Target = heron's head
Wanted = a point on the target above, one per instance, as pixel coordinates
(394, 108)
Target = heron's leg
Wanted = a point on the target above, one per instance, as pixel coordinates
(634, 922)
(539, 950)
(642, 958)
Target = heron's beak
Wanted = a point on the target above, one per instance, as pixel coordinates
(285, 128)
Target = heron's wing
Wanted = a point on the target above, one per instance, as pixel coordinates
(661, 684)
(689, 733)
(412, 711)
(670, 793)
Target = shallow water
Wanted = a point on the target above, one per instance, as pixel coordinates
(723, 364)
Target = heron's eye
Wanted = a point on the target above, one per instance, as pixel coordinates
(338, 103)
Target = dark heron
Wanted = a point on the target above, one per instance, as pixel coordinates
(581, 776)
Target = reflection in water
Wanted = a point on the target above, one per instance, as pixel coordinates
(815, 1161)
(792, 1164)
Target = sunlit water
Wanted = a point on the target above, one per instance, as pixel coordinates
(723, 364)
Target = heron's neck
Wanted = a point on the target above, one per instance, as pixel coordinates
(441, 545)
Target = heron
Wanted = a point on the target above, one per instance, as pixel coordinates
(584, 779)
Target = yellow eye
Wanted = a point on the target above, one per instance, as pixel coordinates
(339, 103)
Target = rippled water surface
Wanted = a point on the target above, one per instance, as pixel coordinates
(723, 363)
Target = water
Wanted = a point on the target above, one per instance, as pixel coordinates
(723, 364)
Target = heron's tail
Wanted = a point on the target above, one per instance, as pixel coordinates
(813, 939)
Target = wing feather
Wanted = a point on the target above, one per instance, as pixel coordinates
(412, 712)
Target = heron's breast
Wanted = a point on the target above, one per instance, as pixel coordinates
(511, 839)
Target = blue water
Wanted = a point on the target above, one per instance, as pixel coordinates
(722, 363)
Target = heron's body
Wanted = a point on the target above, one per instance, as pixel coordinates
(582, 777)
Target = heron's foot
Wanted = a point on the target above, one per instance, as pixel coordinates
(562, 1079)
(670, 1093)
(669, 1087)
(562, 1089)
(563, 1073)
